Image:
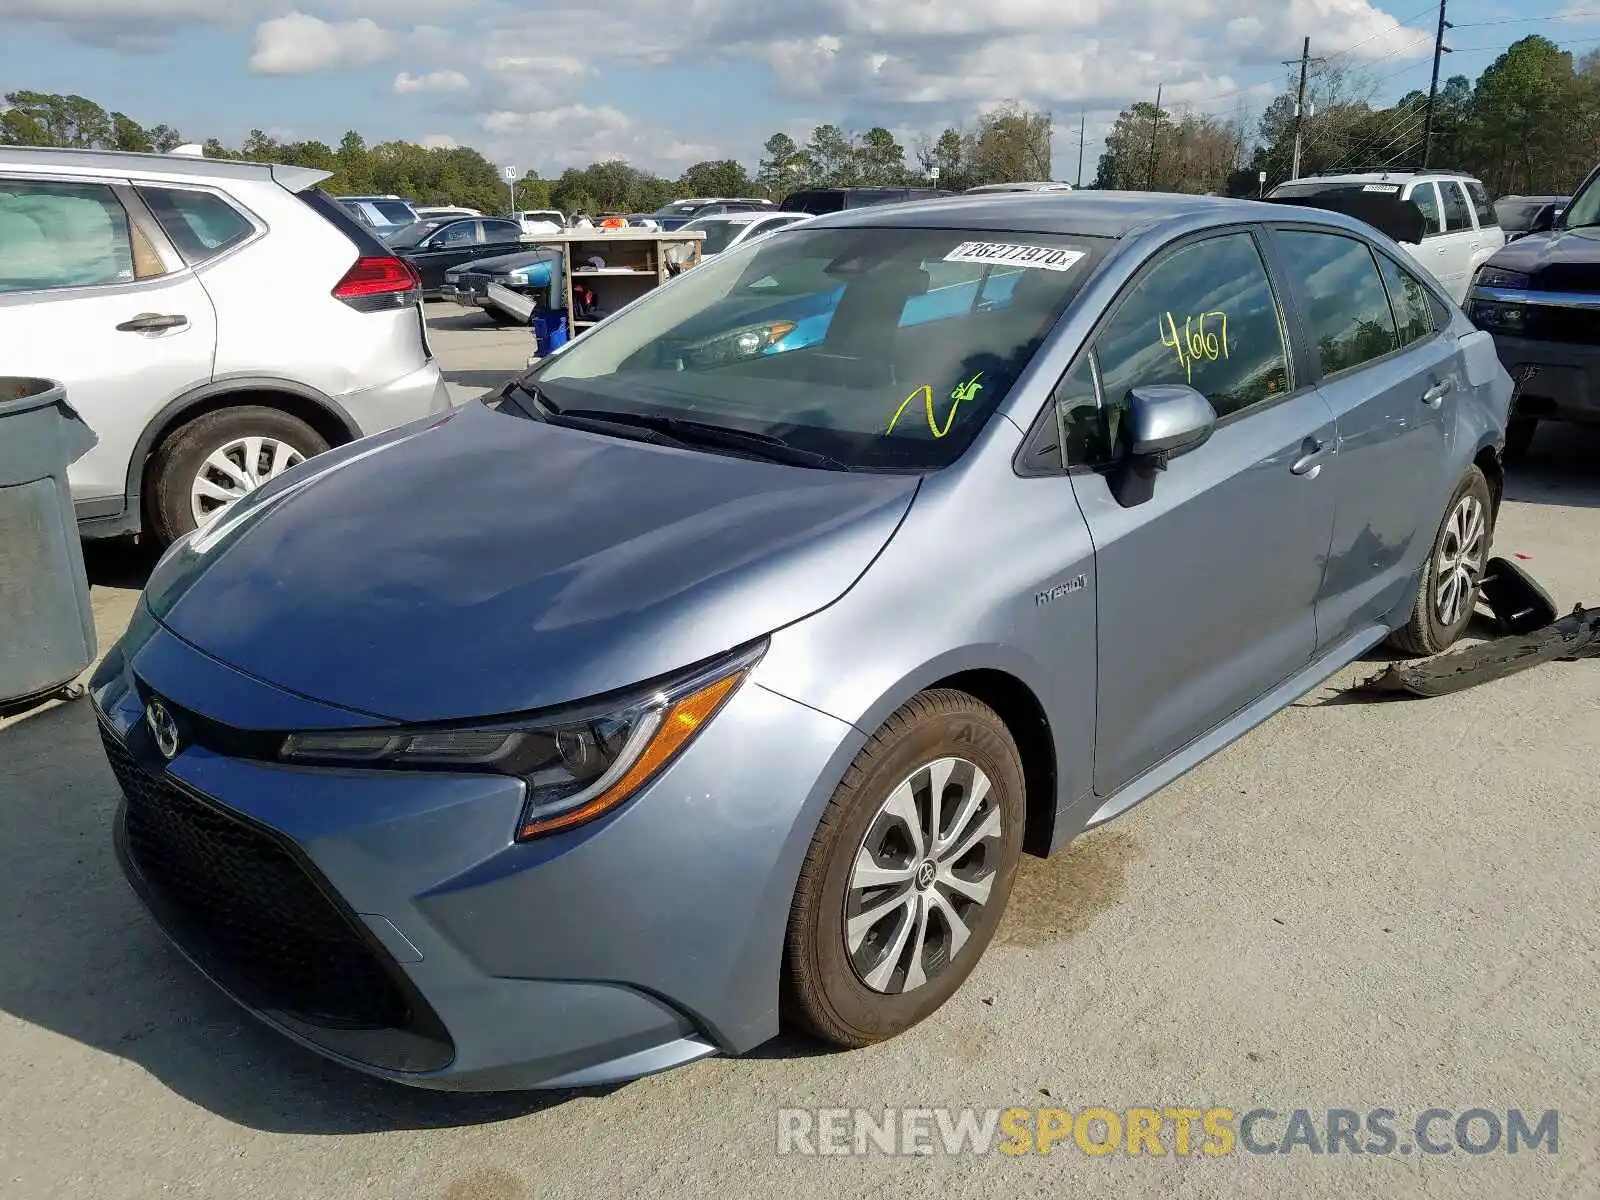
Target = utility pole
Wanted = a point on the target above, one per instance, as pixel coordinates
(1155, 125)
(1439, 50)
(1082, 118)
(1300, 104)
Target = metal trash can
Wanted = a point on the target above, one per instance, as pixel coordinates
(46, 624)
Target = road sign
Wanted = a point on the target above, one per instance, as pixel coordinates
(511, 174)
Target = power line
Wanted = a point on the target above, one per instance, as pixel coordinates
(1563, 16)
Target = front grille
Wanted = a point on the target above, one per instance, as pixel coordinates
(237, 899)
(1552, 323)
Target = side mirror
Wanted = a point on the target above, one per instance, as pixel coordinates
(1163, 420)
(1545, 219)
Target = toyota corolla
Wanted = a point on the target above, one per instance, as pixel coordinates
(681, 688)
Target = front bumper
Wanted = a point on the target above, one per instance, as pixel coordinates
(387, 920)
(1559, 380)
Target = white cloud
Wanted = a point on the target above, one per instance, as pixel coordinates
(437, 141)
(548, 140)
(298, 42)
(433, 81)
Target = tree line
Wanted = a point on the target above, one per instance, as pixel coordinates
(1529, 125)
(1009, 143)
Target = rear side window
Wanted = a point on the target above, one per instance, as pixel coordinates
(62, 235)
(1425, 198)
(1415, 309)
(1347, 307)
(1205, 316)
(1457, 215)
(1481, 205)
(200, 224)
(502, 231)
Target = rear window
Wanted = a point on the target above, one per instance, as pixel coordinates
(718, 234)
(882, 348)
(200, 224)
(394, 212)
(815, 202)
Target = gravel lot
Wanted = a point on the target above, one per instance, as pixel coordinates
(1358, 906)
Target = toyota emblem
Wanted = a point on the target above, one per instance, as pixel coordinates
(163, 728)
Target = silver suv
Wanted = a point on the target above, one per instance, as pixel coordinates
(214, 322)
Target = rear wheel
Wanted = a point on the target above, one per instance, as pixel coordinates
(908, 874)
(1449, 591)
(203, 467)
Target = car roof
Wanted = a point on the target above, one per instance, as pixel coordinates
(295, 179)
(742, 218)
(1088, 214)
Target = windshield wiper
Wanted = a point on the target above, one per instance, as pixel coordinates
(593, 420)
(687, 432)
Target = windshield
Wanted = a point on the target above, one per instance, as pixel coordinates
(881, 348)
(400, 239)
(1322, 187)
(394, 211)
(1585, 206)
(718, 234)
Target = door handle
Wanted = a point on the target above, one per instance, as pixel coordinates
(1435, 395)
(153, 323)
(1309, 464)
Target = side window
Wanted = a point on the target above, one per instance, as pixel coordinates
(1457, 215)
(61, 235)
(1204, 315)
(200, 224)
(1347, 308)
(501, 231)
(1481, 205)
(1426, 198)
(462, 233)
(1412, 303)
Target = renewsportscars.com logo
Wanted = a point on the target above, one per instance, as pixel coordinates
(1208, 1131)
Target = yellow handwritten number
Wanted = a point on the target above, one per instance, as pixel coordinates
(1196, 343)
(962, 391)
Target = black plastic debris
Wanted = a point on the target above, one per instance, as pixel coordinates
(1519, 604)
(1574, 636)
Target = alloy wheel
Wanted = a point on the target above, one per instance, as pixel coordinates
(234, 470)
(923, 872)
(1459, 565)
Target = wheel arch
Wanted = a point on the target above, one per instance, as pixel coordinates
(321, 412)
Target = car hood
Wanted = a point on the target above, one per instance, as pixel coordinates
(502, 263)
(489, 564)
(1560, 261)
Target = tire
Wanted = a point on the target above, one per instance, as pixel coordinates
(1519, 436)
(1441, 615)
(176, 467)
(845, 995)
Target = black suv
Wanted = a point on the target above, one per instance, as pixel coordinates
(1539, 297)
(817, 201)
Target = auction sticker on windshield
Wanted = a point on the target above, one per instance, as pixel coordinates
(1048, 258)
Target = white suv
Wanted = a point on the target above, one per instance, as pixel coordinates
(1461, 232)
(214, 323)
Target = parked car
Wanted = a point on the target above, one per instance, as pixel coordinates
(434, 213)
(214, 322)
(727, 230)
(529, 272)
(817, 201)
(611, 768)
(1460, 229)
(1520, 215)
(381, 214)
(433, 247)
(678, 213)
(986, 188)
(541, 220)
(1540, 298)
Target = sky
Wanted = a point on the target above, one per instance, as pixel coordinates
(665, 83)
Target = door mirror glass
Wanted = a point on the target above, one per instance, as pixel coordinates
(1545, 219)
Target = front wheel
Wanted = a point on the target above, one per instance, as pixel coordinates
(1448, 594)
(205, 466)
(908, 873)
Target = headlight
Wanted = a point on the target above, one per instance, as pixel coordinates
(1499, 277)
(1492, 314)
(516, 279)
(576, 764)
(451, 278)
(744, 342)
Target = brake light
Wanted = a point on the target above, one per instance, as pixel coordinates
(378, 281)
